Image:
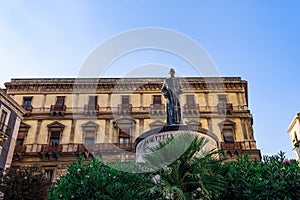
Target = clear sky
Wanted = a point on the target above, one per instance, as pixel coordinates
(256, 40)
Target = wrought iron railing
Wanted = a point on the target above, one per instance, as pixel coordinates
(75, 147)
(56, 108)
(88, 108)
(224, 108)
(52, 148)
(20, 149)
(244, 145)
(28, 108)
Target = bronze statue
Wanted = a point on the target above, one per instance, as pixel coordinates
(171, 90)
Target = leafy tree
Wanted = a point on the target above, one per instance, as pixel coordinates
(195, 174)
(273, 178)
(25, 183)
(95, 180)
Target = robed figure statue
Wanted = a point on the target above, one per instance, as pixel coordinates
(171, 90)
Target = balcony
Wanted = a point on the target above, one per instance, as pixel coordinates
(157, 109)
(224, 108)
(107, 147)
(28, 108)
(191, 109)
(231, 145)
(124, 109)
(20, 149)
(126, 147)
(58, 110)
(91, 109)
(47, 148)
(4, 132)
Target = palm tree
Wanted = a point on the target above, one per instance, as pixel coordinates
(184, 170)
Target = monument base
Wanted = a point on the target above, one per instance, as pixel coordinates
(151, 138)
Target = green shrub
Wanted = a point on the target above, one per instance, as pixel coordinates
(95, 180)
(273, 178)
(25, 183)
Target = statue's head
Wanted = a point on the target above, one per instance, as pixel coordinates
(172, 72)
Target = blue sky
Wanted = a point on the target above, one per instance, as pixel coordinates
(256, 40)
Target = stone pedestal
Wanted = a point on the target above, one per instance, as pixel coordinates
(151, 139)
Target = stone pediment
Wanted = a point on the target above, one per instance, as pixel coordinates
(194, 123)
(124, 123)
(90, 124)
(56, 125)
(226, 123)
(156, 124)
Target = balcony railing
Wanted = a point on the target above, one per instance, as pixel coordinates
(20, 149)
(28, 108)
(231, 145)
(124, 108)
(91, 109)
(225, 108)
(245, 145)
(110, 147)
(219, 108)
(191, 108)
(58, 109)
(46, 148)
(74, 148)
(157, 109)
(127, 147)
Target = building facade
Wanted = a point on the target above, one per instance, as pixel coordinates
(11, 114)
(294, 132)
(102, 117)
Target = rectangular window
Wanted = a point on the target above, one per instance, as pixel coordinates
(124, 140)
(60, 101)
(27, 103)
(93, 100)
(3, 120)
(223, 99)
(156, 99)
(125, 100)
(20, 141)
(228, 135)
(124, 137)
(190, 100)
(21, 138)
(89, 137)
(54, 137)
(48, 175)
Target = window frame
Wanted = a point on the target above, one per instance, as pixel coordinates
(89, 126)
(123, 98)
(60, 98)
(27, 99)
(222, 98)
(6, 121)
(55, 127)
(88, 137)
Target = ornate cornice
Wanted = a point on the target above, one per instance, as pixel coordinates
(115, 85)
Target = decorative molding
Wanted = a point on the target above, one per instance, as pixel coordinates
(56, 125)
(104, 85)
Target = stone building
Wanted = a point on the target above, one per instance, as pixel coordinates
(11, 114)
(69, 117)
(294, 132)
